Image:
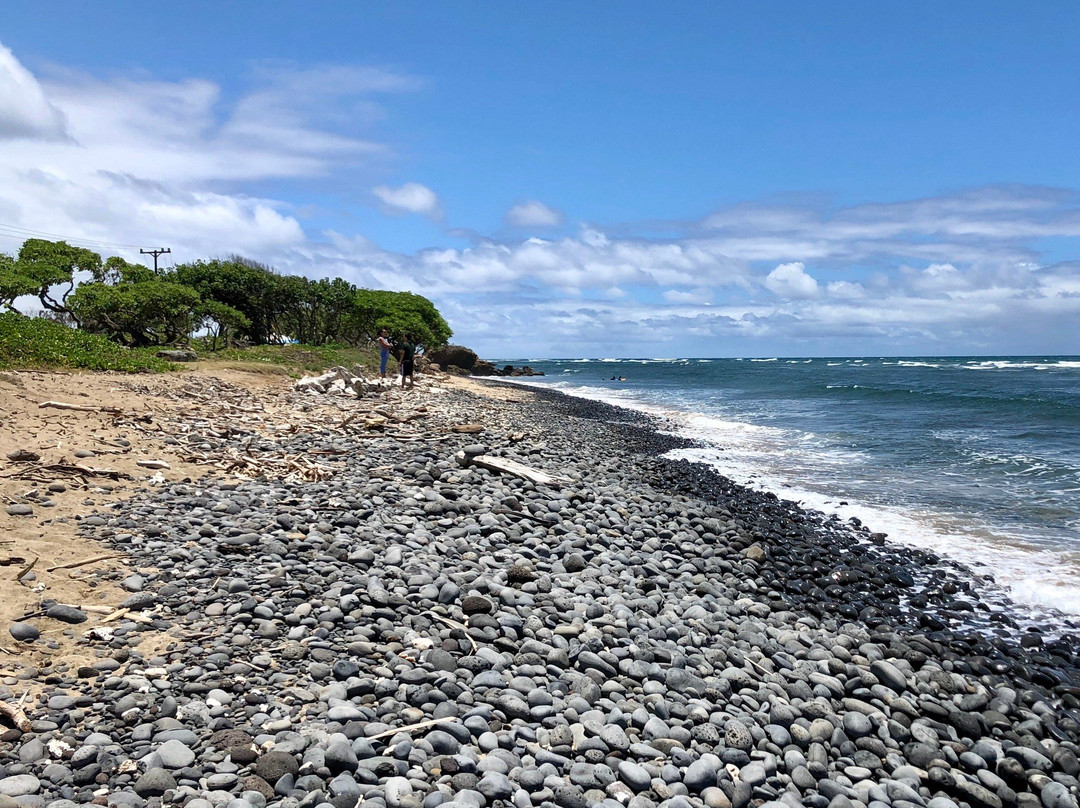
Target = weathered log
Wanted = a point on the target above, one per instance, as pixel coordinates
(506, 466)
(16, 716)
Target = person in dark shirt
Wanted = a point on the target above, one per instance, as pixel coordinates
(406, 355)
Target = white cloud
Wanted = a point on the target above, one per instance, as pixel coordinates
(698, 296)
(129, 161)
(412, 197)
(791, 281)
(25, 112)
(534, 214)
(846, 290)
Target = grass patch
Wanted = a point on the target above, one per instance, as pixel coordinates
(296, 359)
(33, 342)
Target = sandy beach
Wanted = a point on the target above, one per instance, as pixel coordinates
(474, 594)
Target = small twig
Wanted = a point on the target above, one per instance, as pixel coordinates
(411, 727)
(26, 569)
(82, 563)
(455, 624)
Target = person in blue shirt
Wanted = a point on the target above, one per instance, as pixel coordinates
(384, 351)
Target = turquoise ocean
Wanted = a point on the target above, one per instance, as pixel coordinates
(976, 458)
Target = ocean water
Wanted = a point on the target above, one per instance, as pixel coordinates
(977, 458)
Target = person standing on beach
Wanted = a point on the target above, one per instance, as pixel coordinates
(406, 354)
(384, 351)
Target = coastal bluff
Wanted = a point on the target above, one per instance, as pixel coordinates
(323, 600)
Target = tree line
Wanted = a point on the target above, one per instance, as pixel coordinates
(230, 300)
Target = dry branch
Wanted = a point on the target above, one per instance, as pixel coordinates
(16, 716)
(82, 563)
(411, 727)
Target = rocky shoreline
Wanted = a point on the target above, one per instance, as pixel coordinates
(414, 632)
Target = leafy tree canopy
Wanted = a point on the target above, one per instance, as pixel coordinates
(146, 312)
(13, 283)
(52, 263)
(400, 313)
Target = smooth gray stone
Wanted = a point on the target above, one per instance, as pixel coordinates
(175, 755)
(1056, 795)
(154, 783)
(19, 785)
(635, 775)
(24, 632)
(66, 614)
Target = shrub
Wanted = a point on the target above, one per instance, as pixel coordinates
(36, 342)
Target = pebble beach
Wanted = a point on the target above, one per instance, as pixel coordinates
(417, 630)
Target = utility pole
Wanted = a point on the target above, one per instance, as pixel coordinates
(156, 253)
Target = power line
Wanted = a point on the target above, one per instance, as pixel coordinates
(12, 231)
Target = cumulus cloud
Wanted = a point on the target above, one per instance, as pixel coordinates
(534, 214)
(791, 281)
(696, 296)
(25, 111)
(125, 161)
(412, 197)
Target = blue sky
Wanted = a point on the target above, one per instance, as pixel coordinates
(581, 179)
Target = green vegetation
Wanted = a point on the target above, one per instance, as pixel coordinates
(27, 342)
(123, 310)
(294, 358)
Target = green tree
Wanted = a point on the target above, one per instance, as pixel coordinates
(141, 313)
(13, 283)
(321, 311)
(46, 264)
(400, 313)
(262, 296)
(223, 322)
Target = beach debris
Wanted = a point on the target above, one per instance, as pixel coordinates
(86, 561)
(153, 464)
(467, 429)
(504, 465)
(16, 716)
(63, 405)
(47, 472)
(341, 382)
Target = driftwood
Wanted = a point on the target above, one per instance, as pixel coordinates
(61, 405)
(506, 466)
(16, 716)
(454, 624)
(412, 727)
(26, 569)
(467, 429)
(51, 470)
(82, 563)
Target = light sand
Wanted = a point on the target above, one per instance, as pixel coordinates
(50, 535)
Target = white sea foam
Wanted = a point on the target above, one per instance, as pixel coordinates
(1036, 577)
(802, 468)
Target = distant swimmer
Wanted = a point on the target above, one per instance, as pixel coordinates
(612, 378)
(622, 378)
